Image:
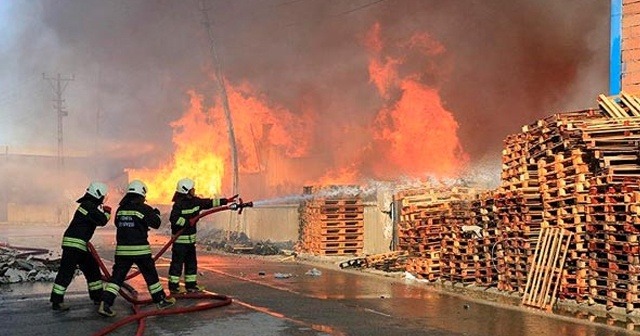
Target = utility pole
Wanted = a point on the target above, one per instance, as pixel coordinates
(59, 84)
(97, 158)
(223, 93)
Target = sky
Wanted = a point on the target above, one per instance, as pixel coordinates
(501, 64)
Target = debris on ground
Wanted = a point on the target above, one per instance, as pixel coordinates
(313, 272)
(21, 265)
(282, 275)
(388, 262)
(240, 243)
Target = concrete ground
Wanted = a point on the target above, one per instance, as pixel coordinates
(337, 302)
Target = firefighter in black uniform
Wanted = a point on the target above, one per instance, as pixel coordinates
(133, 219)
(186, 205)
(90, 214)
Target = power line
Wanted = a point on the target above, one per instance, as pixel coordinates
(352, 10)
(361, 7)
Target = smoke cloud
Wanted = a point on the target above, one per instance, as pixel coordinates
(506, 63)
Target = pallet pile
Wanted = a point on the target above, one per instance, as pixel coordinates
(612, 225)
(564, 192)
(423, 215)
(542, 193)
(466, 251)
(511, 248)
(579, 155)
(331, 224)
(484, 215)
(612, 212)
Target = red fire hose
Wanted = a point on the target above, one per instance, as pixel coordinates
(129, 293)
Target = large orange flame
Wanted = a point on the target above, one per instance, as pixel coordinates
(415, 133)
(202, 144)
(196, 156)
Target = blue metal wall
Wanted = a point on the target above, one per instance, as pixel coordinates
(615, 55)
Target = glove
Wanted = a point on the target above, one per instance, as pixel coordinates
(157, 211)
(107, 209)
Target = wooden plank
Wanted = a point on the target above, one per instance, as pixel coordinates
(612, 109)
(632, 104)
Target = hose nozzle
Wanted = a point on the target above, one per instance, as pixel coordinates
(240, 205)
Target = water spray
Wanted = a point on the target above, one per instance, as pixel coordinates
(373, 187)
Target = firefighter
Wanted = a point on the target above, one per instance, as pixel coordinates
(133, 219)
(90, 214)
(186, 205)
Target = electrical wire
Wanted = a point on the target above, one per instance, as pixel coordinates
(493, 249)
(349, 11)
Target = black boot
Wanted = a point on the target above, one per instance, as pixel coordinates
(105, 310)
(59, 306)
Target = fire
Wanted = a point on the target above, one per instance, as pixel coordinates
(196, 156)
(202, 146)
(412, 135)
(415, 133)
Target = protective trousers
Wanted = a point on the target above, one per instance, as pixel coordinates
(183, 255)
(122, 266)
(71, 259)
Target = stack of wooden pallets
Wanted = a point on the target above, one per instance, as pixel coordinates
(564, 191)
(331, 225)
(484, 215)
(612, 225)
(466, 253)
(423, 217)
(544, 197)
(511, 250)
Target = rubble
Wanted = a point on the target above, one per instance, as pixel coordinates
(388, 262)
(16, 265)
(239, 242)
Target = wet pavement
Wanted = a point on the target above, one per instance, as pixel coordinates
(274, 296)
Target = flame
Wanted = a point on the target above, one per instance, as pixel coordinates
(341, 176)
(196, 156)
(202, 144)
(415, 133)
(411, 135)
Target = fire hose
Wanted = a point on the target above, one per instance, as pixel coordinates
(129, 293)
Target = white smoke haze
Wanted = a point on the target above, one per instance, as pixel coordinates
(509, 62)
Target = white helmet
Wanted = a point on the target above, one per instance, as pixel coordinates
(184, 185)
(97, 190)
(137, 187)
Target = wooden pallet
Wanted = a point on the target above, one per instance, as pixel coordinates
(548, 262)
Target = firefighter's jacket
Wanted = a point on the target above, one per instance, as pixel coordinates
(184, 209)
(133, 220)
(87, 217)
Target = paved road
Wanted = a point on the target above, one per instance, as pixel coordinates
(335, 303)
